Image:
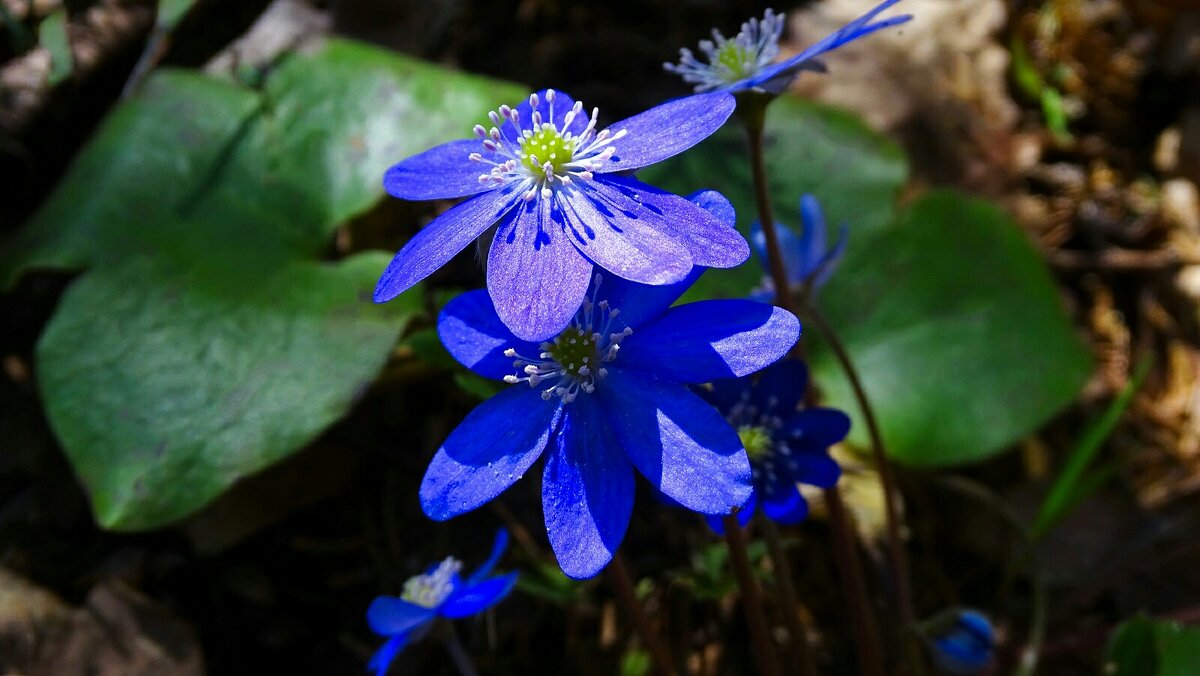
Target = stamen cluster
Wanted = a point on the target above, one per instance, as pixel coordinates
(759, 429)
(548, 156)
(731, 60)
(430, 589)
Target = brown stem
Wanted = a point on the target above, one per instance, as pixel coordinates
(801, 655)
(866, 630)
(622, 584)
(756, 618)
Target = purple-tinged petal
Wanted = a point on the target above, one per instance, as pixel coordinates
(817, 427)
(854, 30)
(712, 241)
(470, 599)
(389, 615)
(474, 335)
(642, 303)
(489, 450)
(825, 266)
(711, 339)
(790, 248)
(814, 469)
(677, 441)
(781, 386)
(442, 172)
(383, 658)
(786, 506)
(620, 241)
(716, 523)
(587, 491)
(498, 547)
(439, 241)
(537, 279)
(716, 204)
(812, 238)
(668, 129)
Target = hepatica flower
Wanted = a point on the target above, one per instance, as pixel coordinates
(807, 259)
(747, 61)
(439, 592)
(786, 446)
(963, 642)
(604, 397)
(548, 179)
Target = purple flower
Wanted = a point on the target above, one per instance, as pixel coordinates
(551, 183)
(745, 61)
(607, 395)
(964, 643)
(439, 592)
(805, 258)
(786, 445)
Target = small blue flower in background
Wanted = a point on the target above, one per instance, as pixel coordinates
(552, 184)
(963, 642)
(608, 395)
(786, 446)
(439, 592)
(745, 62)
(805, 258)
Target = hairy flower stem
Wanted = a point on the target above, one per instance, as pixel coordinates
(458, 654)
(622, 584)
(753, 107)
(752, 605)
(798, 643)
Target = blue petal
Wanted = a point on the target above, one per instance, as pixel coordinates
(536, 278)
(817, 427)
(468, 600)
(488, 451)
(498, 547)
(711, 339)
(587, 491)
(389, 615)
(677, 441)
(967, 648)
(711, 241)
(668, 129)
(474, 335)
(789, 248)
(852, 31)
(725, 393)
(437, 242)
(781, 386)
(442, 172)
(812, 237)
(716, 204)
(814, 469)
(620, 241)
(786, 507)
(642, 303)
(825, 266)
(716, 523)
(382, 659)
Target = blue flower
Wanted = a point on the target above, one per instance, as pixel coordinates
(746, 61)
(964, 644)
(551, 183)
(439, 592)
(805, 258)
(786, 445)
(607, 395)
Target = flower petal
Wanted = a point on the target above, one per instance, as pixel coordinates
(474, 335)
(619, 240)
(716, 523)
(781, 386)
(488, 451)
(587, 491)
(536, 278)
(711, 339)
(470, 599)
(562, 103)
(437, 242)
(817, 427)
(642, 303)
(442, 172)
(498, 547)
(389, 615)
(383, 658)
(786, 507)
(677, 441)
(712, 241)
(716, 204)
(668, 129)
(790, 248)
(814, 468)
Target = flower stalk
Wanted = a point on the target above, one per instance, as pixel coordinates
(752, 605)
(622, 584)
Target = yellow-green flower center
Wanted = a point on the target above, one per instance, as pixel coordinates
(733, 56)
(574, 349)
(545, 145)
(756, 440)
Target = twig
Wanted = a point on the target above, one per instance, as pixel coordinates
(622, 584)
(756, 619)
(801, 655)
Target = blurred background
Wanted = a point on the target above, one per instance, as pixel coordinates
(211, 441)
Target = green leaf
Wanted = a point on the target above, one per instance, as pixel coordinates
(52, 34)
(1145, 647)
(855, 172)
(166, 386)
(171, 12)
(957, 332)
